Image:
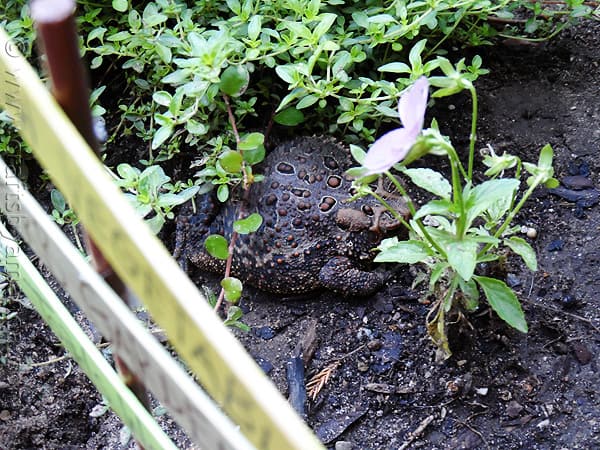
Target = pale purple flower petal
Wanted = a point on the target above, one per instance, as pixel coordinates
(412, 104)
(393, 146)
(388, 150)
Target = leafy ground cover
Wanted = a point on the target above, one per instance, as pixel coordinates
(500, 389)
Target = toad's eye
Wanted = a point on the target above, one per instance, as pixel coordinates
(367, 210)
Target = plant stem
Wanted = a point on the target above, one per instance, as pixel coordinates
(458, 200)
(412, 210)
(387, 206)
(228, 265)
(246, 187)
(509, 218)
(473, 137)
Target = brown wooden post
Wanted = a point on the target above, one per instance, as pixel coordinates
(58, 40)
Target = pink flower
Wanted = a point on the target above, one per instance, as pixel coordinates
(393, 146)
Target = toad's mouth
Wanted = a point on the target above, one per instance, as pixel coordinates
(374, 219)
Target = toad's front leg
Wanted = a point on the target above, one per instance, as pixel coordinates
(341, 276)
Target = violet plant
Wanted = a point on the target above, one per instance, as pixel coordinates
(465, 224)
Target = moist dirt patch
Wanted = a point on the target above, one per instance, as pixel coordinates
(383, 389)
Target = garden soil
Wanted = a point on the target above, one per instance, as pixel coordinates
(501, 389)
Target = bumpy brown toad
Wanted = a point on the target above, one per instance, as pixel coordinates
(311, 236)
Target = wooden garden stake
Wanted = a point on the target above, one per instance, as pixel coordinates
(58, 40)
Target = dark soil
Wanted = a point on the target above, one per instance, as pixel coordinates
(501, 388)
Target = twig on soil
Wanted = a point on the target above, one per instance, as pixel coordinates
(63, 357)
(68, 355)
(474, 430)
(413, 435)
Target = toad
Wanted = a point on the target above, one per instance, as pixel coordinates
(311, 237)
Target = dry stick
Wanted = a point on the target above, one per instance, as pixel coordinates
(64, 357)
(58, 39)
(413, 435)
(477, 432)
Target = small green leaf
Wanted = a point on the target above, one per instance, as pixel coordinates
(430, 180)
(162, 98)
(134, 19)
(442, 207)
(128, 172)
(289, 117)
(234, 80)
(120, 5)
(293, 95)
(357, 153)
(251, 141)
(163, 52)
(217, 246)
(287, 73)
(522, 248)
(161, 135)
(96, 62)
(155, 223)
(407, 252)
(231, 161)
(196, 128)
(254, 27)
(437, 271)
(233, 289)
(504, 301)
(484, 195)
(462, 256)
(96, 33)
(307, 101)
(248, 225)
(497, 163)
(395, 67)
(120, 36)
(357, 172)
(546, 155)
(234, 314)
(470, 294)
(325, 22)
(58, 201)
(223, 193)
(184, 195)
(414, 56)
(255, 155)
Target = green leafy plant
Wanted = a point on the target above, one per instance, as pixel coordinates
(329, 66)
(151, 194)
(466, 224)
(234, 312)
(63, 215)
